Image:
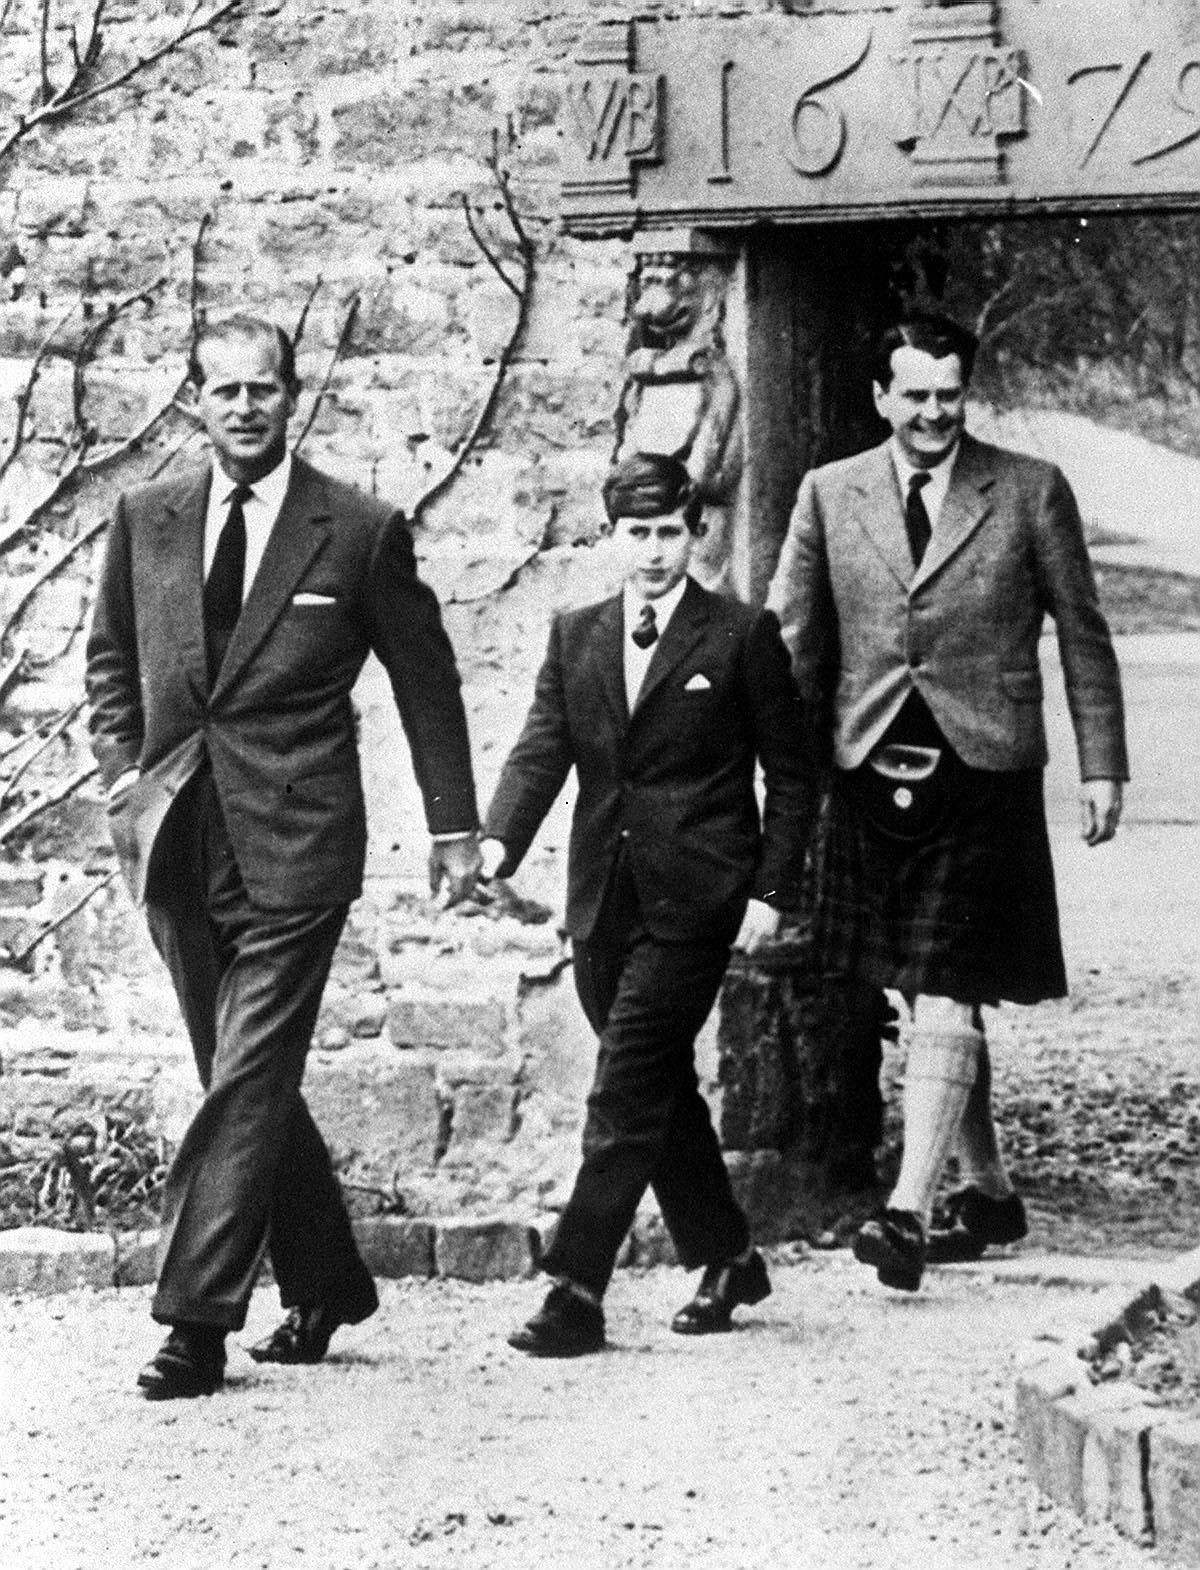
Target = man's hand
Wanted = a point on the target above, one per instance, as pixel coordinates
(1099, 810)
(454, 862)
(759, 925)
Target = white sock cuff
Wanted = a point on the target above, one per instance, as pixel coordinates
(950, 1057)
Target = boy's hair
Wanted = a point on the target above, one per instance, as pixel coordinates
(649, 485)
(245, 326)
(925, 330)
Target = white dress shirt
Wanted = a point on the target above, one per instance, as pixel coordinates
(637, 661)
(934, 493)
(260, 512)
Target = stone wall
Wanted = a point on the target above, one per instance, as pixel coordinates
(303, 149)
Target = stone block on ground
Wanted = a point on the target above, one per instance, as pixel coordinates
(482, 1115)
(394, 1246)
(498, 1249)
(36, 1261)
(1175, 1490)
(136, 1259)
(1116, 1453)
(1039, 1388)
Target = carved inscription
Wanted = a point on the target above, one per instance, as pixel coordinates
(1138, 99)
(616, 115)
(961, 92)
(818, 128)
(939, 106)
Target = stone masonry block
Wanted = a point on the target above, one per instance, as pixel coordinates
(379, 1110)
(429, 1019)
(393, 1246)
(1115, 1456)
(20, 888)
(482, 1114)
(36, 1261)
(1175, 1490)
(1039, 1387)
(486, 1250)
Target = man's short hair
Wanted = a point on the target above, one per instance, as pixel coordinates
(245, 326)
(650, 485)
(937, 335)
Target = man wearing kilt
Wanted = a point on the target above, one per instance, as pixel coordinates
(911, 589)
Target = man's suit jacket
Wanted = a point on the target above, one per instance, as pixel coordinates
(674, 780)
(337, 580)
(864, 629)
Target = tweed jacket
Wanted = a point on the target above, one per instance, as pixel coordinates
(675, 780)
(337, 580)
(864, 629)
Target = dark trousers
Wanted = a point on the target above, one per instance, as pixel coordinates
(647, 1123)
(252, 1170)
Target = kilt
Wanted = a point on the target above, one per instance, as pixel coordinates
(967, 912)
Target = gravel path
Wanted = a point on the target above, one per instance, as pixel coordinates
(844, 1426)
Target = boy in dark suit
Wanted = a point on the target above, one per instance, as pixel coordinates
(664, 699)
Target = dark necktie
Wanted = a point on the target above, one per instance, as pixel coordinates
(646, 631)
(916, 519)
(224, 584)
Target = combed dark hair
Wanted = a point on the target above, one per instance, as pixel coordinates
(650, 485)
(243, 325)
(932, 334)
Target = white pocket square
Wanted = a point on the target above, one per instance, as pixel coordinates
(313, 599)
(697, 683)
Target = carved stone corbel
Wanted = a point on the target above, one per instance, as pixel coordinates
(680, 394)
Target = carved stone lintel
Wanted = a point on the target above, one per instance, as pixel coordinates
(615, 114)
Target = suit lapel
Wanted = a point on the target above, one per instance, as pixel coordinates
(880, 513)
(967, 504)
(180, 575)
(683, 632)
(606, 656)
(299, 535)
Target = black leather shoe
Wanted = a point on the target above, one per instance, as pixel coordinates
(894, 1242)
(969, 1222)
(721, 1289)
(566, 1325)
(190, 1362)
(304, 1335)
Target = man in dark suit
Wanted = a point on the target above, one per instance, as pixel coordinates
(663, 699)
(234, 611)
(912, 588)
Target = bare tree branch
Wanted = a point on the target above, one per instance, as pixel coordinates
(45, 88)
(50, 570)
(524, 294)
(63, 100)
(22, 956)
(489, 255)
(302, 319)
(42, 804)
(48, 739)
(10, 670)
(339, 349)
(25, 396)
(89, 344)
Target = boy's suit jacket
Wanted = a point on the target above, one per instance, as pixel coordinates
(963, 630)
(674, 780)
(337, 580)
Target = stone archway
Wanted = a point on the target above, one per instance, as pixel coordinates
(779, 160)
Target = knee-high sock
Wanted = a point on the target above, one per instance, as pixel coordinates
(941, 1069)
(977, 1147)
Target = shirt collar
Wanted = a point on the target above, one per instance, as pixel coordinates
(905, 468)
(269, 490)
(664, 606)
